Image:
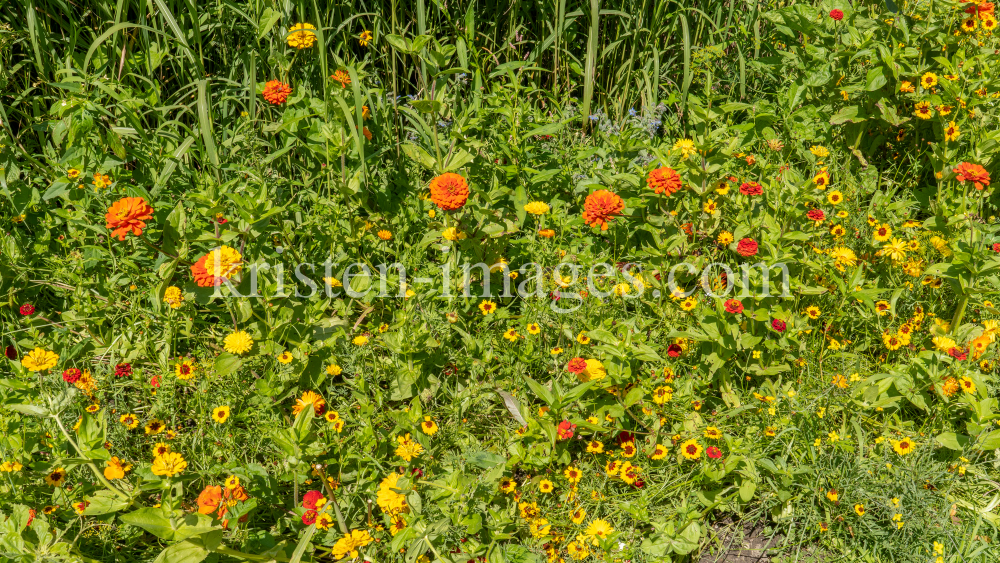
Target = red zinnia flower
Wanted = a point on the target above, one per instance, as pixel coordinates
(968, 172)
(625, 436)
(576, 365)
(837, 14)
(72, 375)
(276, 92)
(123, 370)
(309, 518)
(309, 499)
(733, 306)
(713, 452)
(958, 353)
(816, 215)
(566, 429)
(778, 325)
(751, 188)
(10, 352)
(27, 309)
(747, 247)
(155, 381)
(996, 247)
(674, 350)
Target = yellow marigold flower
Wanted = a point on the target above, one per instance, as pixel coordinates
(895, 250)
(238, 342)
(169, 464)
(572, 474)
(301, 35)
(173, 297)
(598, 530)
(545, 486)
(453, 234)
(39, 359)
(310, 398)
(408, 448)
(285, 357)
(832, 495)
(384, 234)
(686, 146)
(819, 151)
(360, 340)
(593, 372)
(537, 208)
(365, 38)
(725, 238)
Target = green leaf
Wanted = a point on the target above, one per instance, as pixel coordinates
(875, 79)
(990, 441)
(953, 441)
(541, 391)
(850, 114)
(105, 502)
(634, 396)
(183, 552)
(458, 160)
(227, 364)
(419, 155)
(33, 410)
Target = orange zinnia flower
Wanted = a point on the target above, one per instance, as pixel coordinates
(209, 499)
(276, 92)
(341, 76)
(128, 214)
(968, 172)
(601, 206)
(449, 191)
(664, 180)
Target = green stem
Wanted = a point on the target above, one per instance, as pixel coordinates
(161, 251)
(100, 476)
(959, 313)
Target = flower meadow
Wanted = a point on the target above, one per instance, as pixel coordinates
(499, 283)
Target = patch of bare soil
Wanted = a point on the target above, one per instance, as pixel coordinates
(740, 542)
